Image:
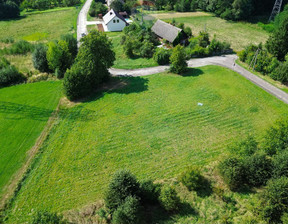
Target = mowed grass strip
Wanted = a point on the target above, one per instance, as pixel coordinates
(43, 26)
(122, 61)
(238, 34)
(153, 127)
(24, 111)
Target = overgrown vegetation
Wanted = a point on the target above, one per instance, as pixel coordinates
(97, 7)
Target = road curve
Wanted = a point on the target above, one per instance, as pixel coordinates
(227, 61)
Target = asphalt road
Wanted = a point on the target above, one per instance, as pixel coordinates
(82, 20)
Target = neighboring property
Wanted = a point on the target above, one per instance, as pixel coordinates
(113, 21)
(169, 32)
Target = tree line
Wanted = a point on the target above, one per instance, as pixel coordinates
(226, 9)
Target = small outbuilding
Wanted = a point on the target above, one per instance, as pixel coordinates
(169, 32)
(113, 21)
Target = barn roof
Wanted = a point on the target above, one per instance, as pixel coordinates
(166, 30)
(110, 15)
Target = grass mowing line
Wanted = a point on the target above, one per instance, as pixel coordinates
(15, 184)
(264, 77)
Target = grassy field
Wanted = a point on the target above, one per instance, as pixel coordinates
(152, 126)
(41, 26)
(122, 61)
(24, 111)
(239, 34)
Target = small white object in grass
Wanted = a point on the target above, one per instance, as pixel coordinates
(200, 104)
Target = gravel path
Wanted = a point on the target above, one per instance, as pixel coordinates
(227, 61)
(82, 20)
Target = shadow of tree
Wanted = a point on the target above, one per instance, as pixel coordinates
(22, 111)
(194, 72)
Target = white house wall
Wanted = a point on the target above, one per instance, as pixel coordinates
(111, 26)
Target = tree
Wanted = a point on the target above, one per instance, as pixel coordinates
(122, 185)
(242, 9)
(277, 43)
(192, 179)
(169, 199)
(39, 58)
(178, 60)
(94, 58)
(117, 5)
(275, 199)
(59, 57)
(9, 9)
(72, 44)
(47, 218)
(161, 56)
(127, 213)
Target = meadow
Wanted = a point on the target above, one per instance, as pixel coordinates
(41, 26)
(238, 34)
(24, 112)
(153, 126)
(122, 61)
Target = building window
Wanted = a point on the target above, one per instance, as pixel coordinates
(117, 20)
(114, 21)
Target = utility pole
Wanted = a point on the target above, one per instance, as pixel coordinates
(254, 60)
(276, 9)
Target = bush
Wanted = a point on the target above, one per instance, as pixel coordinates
(147, 49)
(178, 62)
(38, 78)
(72, 44)
(203, 39)
(122, 185)
(47, 218)
(276, 138)
(275, 199)
(149, 192)
(19, 47)
(188, 31)
(39, 58)
(7, 40)
(280, 165)
(162, 56)
(258, 169)
(9, 75)
(192, 179)
(281, 72)
(169, 199)
(9, 9)
(246, 147)
(233, 172)
(127, 213)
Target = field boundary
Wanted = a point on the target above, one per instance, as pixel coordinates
(11, 189)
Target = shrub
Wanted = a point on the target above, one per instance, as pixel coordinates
(47, 218)
(19, 47)
(178, 62)
(4, 63)
(122, 185)
(162, 56)
(258, 169)
(233, 172)
(192, 179)
(169, 199)
(127, 213)
(147, 49)
(9, 75)
(276, 138)
(188, 31)
(149, 192)
(281, 72)
(7, 40)
(246, 147)
(38, 78)
(203, 39)
(39, 58)
(218, 47)
(280, 164)
(275, 199)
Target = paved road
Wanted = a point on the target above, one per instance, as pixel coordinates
(224, 61)
(82, 20)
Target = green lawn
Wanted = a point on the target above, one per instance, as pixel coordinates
(24, 111)
(122, 61)
(239, 34)
(152, 126)
(41, 26)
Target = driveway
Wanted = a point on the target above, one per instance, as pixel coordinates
(82, 20)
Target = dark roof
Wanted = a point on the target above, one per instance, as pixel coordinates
(166, 30)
